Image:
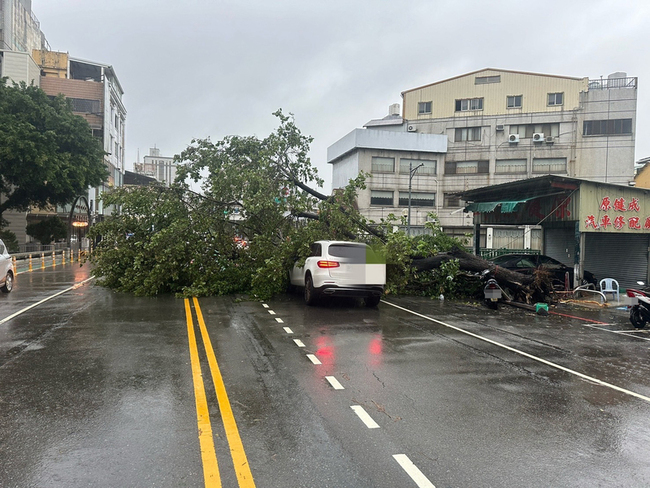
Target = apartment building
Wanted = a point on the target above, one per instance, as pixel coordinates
(500, 126)
(96, 94)
(20, 30)
(162, 168)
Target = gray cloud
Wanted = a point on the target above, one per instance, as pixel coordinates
(212, 68)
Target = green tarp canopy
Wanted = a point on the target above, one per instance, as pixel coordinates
(507, 206)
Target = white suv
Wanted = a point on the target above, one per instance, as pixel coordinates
(6, 270)
(341, 268)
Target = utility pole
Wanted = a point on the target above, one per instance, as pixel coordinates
(412, 172)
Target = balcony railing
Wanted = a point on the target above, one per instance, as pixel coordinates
(609, 83)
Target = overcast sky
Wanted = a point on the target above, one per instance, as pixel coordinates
(199, 68)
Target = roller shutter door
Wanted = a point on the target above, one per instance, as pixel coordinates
(623, 257)
(560, 244)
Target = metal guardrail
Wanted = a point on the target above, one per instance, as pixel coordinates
(607, 83)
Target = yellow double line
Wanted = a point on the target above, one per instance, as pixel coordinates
(206, 439)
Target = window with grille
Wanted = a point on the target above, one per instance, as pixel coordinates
(429, 166)
(381, 197)
(549, 165)
(85, 106)
(484, 80)
(466, 167)
(382, 165)
(607, 127)
(510, 166)
(418, 199)
(527, 130)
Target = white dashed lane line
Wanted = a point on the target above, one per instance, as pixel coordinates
(334, 382)
(413, 471)
(313, 359)
(365, 418)
(407, 465)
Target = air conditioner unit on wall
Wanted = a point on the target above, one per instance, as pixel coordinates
(411, 128)
(513, 138)
(499, 128)
(550, 139)
(538, 137)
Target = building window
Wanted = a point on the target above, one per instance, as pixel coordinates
(466, 167)
(381, 197)
(549, 165)
(607, 127)
(82, 105)
(484, 80)
(469, 104)
(453, 201)
(429, 167)
(510, 166)
(382, 165)
(424, 108)
(514, 101)
(468, 134)
(555, 99)
(418, 199)
(528, 130)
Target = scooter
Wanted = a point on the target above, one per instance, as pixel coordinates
(640, 312)
(493, 293)
(638, 292)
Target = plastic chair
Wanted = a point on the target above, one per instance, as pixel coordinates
(610, 285)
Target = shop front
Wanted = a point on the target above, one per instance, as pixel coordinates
(590, 225)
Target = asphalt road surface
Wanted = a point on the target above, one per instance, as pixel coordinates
(110, 390)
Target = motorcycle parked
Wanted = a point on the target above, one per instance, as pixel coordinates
(640, 312)
(493, 293)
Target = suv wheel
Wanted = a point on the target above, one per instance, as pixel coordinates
(372, 301)
(310, 293)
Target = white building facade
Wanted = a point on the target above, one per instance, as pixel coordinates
(162, 168)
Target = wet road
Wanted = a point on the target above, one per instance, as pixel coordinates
(104, 389)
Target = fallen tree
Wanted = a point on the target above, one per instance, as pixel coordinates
(520, 286)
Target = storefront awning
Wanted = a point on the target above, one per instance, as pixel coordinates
(507, 206)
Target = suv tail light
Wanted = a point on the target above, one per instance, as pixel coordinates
(328, 264)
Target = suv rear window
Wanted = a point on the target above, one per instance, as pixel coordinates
(361, 254)
(348, 251)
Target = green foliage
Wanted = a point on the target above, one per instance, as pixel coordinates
(402, 249)
(48, 230)
(173, 240)
(48, 155)
(10, 240)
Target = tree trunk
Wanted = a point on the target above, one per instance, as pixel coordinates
(523, 286)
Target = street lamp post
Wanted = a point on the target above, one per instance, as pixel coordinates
(412, 172)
